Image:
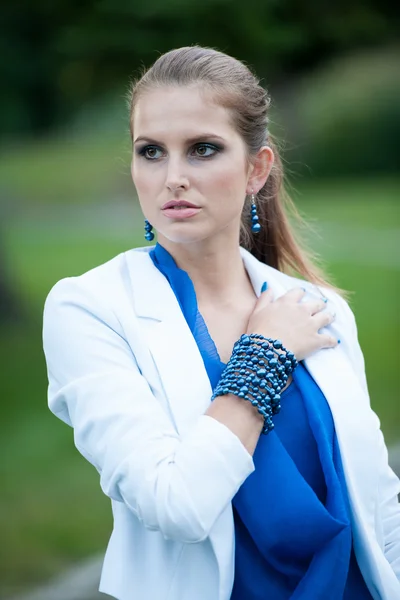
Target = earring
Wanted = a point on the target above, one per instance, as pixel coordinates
(149, 235)
(255, 225)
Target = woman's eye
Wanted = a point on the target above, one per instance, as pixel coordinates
(150, 152)
(199, 151)
(205, 150)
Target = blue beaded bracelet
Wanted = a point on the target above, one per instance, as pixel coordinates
(258, 371)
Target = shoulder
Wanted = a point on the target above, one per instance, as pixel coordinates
(343, 327)
(103, 283)
(95, 304)
(283, 282)
(333, 298)
(344, 316)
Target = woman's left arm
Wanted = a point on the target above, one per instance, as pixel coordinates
(389, 484)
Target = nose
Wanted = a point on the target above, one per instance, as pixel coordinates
(176, 179)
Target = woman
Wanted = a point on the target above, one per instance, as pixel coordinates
(239, 466)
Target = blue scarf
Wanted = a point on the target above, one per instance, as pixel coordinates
(292, 526)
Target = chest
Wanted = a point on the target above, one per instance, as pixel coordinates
(225, 327)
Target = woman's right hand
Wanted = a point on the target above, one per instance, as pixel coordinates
(296, 324)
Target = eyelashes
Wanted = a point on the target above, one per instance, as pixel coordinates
(202, 151)
(146, 152)
(204, 146)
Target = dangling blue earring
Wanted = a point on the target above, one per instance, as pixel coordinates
(255, 225)
(149, 235)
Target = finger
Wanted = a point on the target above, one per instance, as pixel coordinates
(323, 319)
(294, 295)
(265, 298)
(327, 341)
(315, 306)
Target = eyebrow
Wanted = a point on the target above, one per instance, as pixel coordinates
(198, 138)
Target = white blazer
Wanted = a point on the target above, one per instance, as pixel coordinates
(125, 372)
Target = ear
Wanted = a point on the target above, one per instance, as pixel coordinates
(260, 169)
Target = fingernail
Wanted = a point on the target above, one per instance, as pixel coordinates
(338, 341)
(264, 287)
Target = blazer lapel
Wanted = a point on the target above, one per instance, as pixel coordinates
(170, 341)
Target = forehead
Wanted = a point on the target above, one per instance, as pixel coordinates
(170, 111)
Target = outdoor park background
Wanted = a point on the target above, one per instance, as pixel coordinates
(67, 204)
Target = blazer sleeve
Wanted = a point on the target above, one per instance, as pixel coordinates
(176, 486)
(389, 484)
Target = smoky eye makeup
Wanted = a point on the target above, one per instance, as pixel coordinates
(201, 150)
(205, 149)
(149, 151)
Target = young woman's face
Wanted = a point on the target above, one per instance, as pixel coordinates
(186, 150)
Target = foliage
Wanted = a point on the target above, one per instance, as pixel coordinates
(345, 118)
(58, 56)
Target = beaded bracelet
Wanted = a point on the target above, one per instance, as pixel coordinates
(257, 371)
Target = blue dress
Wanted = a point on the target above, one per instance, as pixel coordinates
(293, 537)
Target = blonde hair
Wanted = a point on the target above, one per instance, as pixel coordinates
(236, 88)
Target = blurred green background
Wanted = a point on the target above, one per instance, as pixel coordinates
(67, 204)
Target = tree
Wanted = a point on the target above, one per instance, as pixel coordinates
(60, 55)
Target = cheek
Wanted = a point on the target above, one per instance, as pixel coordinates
(142, 183)
(229, 185)
(145, 184)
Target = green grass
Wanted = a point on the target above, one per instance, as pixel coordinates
(65, 170)
(52, 509)
(367, 203)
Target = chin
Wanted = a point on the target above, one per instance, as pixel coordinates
(186, 235)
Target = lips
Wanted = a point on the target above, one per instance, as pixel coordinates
(178, 204)
(178, 210)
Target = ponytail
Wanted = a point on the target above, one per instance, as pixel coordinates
(276, 244)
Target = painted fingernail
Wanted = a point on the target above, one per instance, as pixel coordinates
(264, 287)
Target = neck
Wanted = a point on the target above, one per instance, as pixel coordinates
(216, 270)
